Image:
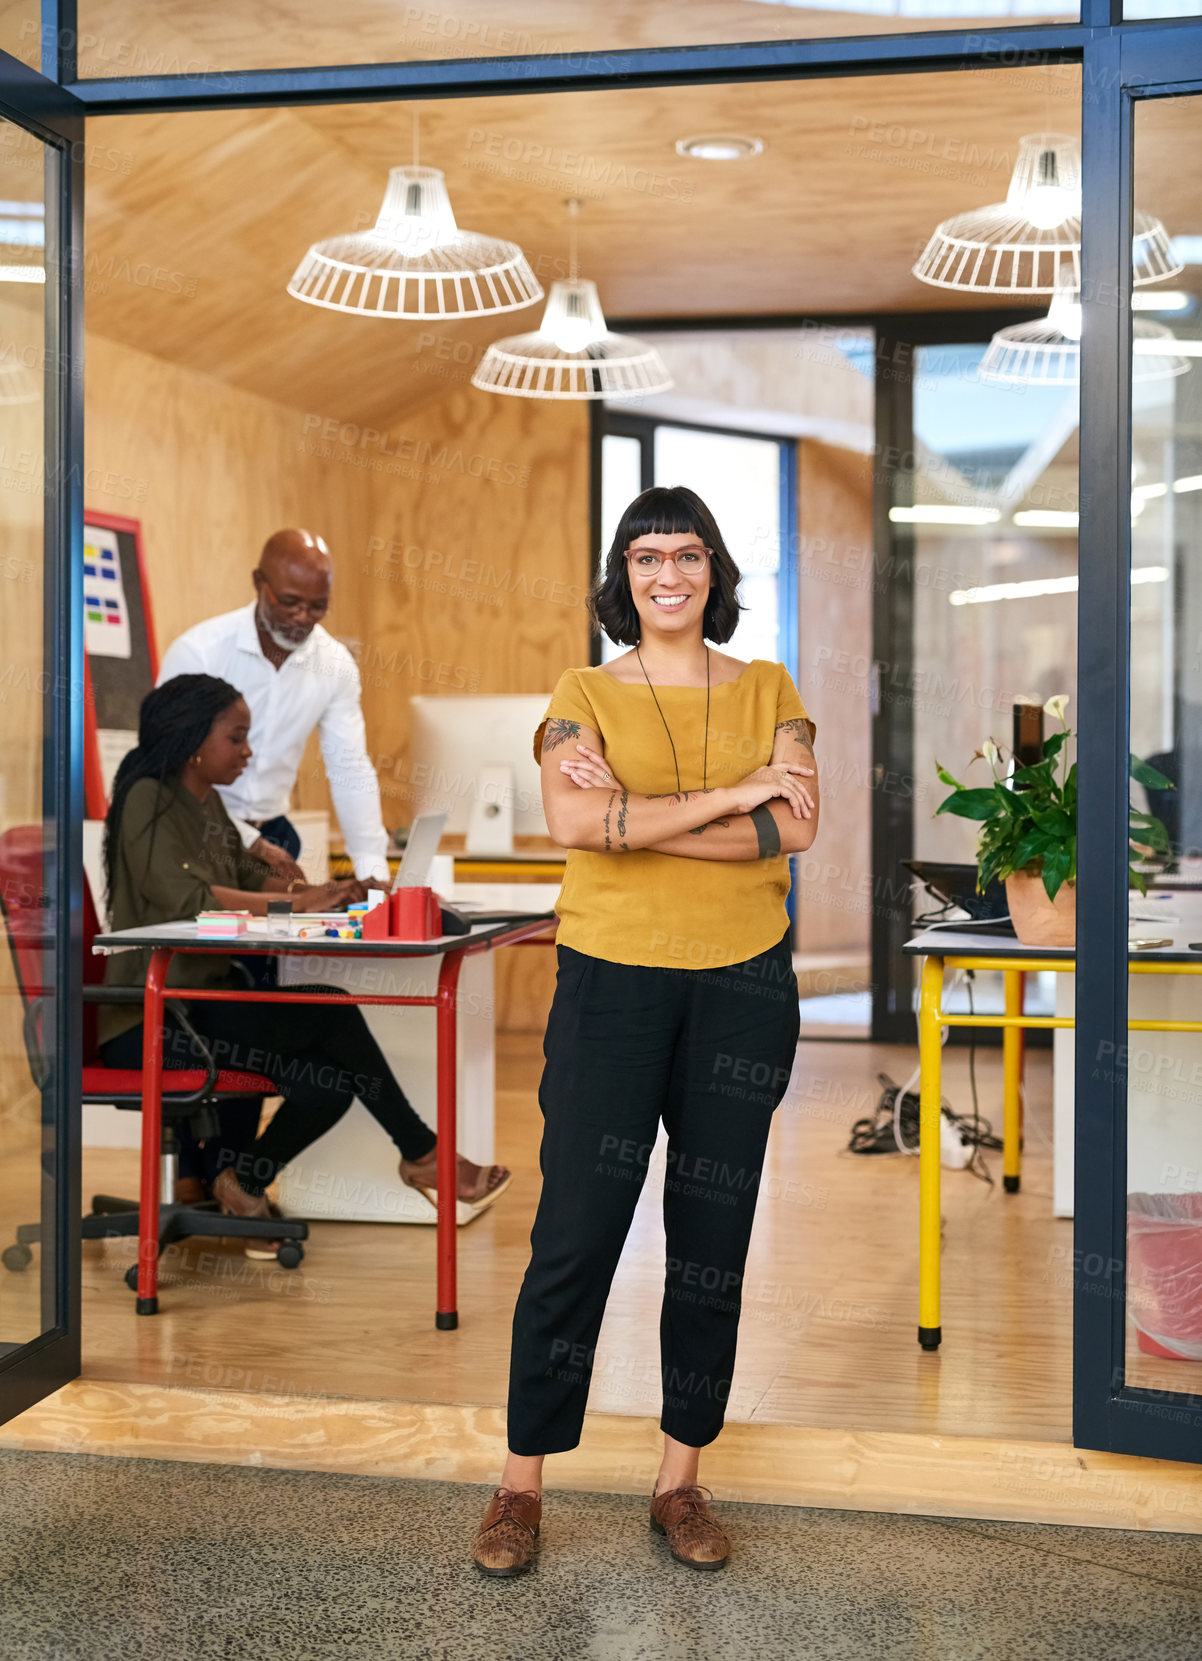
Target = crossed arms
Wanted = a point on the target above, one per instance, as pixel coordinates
(588, 810)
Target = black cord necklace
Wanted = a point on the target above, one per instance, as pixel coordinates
(705, 753)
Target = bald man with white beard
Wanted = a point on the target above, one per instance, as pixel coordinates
(295, 677)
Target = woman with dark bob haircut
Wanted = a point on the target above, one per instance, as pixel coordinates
(679, 779)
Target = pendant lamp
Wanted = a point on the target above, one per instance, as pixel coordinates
(1031, 242)
(1048, 351)
(573, 353)
(415, 262)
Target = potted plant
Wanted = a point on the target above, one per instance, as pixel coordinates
(1028, 839)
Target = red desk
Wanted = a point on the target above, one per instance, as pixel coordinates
(165, 941)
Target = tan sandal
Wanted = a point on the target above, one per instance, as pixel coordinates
(476, 1199)
(236, 1202)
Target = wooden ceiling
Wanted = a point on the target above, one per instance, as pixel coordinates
(123, 37)
(195, 222)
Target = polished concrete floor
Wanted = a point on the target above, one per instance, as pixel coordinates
(138, 1560)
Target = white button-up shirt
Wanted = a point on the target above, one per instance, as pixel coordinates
(317, 685)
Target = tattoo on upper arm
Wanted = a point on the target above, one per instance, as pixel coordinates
(557, 732)
(799, 729)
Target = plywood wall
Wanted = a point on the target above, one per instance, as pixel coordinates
(837, 572)
(474, 574)
(460, 543)
(210, 471)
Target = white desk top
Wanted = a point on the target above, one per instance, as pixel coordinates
(1175, 916)
(183, 936)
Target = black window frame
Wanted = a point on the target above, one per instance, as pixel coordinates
(35, 102)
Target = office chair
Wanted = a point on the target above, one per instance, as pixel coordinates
(193, 1094)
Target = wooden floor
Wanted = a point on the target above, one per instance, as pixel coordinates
(828, 1332)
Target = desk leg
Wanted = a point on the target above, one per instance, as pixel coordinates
(152, 1133)
(1012, 1072)
(446, 1316)
(930, 1061)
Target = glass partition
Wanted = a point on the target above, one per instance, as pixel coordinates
(28, 1088)
(1164, 1069)
(994, 526)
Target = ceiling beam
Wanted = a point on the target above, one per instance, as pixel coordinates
(586, 71)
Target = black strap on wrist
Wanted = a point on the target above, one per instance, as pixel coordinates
(766, 831)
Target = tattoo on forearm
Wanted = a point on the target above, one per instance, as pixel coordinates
(697, 830)
(557, 732)
(608, 810)
(675, 797)
(623, 804)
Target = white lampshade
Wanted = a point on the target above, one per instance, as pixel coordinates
(1031, 242)
(1048, 351)
(572, 354)
(415, 262)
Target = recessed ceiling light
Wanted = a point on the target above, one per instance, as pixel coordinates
(1169, 299)
(1043, 585)
(1048, 519)
(719, 146)
(931, 513)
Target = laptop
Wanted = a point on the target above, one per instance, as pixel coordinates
(956, 885)
(424, 836)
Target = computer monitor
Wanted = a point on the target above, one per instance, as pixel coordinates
(472, 758)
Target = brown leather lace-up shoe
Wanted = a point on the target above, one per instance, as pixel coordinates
(504, 1543)
(694, 1537)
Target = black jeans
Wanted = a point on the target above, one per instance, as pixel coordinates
(708, 1051)
(319, 1059)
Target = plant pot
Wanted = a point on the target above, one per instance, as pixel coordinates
(1037, 920)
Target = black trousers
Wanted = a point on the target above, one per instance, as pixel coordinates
(262, 969)
(319, 1059)
(708, 1052)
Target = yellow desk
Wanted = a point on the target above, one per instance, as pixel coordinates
(527, 867)
(533, 867)
(961, 948)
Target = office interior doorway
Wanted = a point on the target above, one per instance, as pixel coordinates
(318, 396)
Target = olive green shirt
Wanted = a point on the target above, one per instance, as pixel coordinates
(172, 849)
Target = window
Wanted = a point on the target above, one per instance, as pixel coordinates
(747, 483)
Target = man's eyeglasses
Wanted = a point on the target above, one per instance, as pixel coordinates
(293, 604)
(688, 561)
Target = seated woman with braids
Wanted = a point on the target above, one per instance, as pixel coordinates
(171, 851)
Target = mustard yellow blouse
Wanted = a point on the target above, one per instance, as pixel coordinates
(655, 909)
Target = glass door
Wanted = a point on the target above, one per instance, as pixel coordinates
(41, 699)
(1138, 1249)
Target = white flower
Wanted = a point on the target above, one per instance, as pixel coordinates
(1056, 706)
(991, 753)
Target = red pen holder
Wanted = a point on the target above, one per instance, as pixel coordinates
(414, 914)
(409, 914)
